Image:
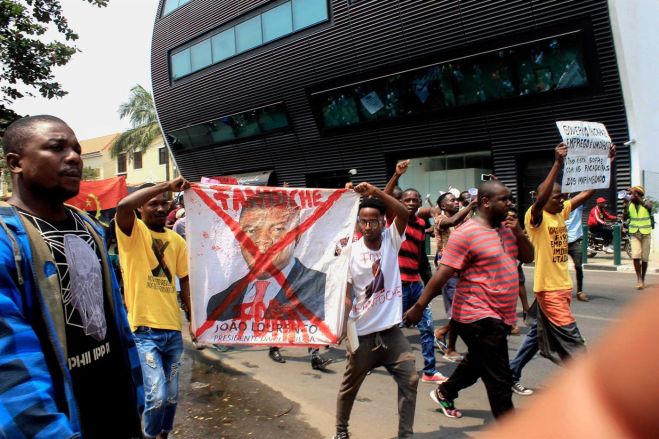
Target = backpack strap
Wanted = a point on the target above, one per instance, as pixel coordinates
(7, 211)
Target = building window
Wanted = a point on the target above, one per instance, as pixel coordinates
(121, 163)
(137, 160)
(269, 24)
(171, 5)
(533, 68)
(232, 128)
(162, 156)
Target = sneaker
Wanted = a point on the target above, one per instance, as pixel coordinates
(436, 378)
(319, 362)
(447, 405)
(441, 345)
(521, 390)
(453, 358)
(341, 435)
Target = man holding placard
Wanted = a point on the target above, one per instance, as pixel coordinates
(558, 335)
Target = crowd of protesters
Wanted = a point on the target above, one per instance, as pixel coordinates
(77, 346)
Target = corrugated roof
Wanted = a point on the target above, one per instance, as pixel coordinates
(97, 144)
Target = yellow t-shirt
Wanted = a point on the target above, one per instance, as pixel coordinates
(550, 242)
(150, 262)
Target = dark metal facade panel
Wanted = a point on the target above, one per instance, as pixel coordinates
(363, 40)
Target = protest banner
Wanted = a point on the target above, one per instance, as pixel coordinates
(587, 163)
(268, 266)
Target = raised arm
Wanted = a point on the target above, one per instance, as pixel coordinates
(126, 207)
(547, 186)
(582, 197)
(456, 219)
(401, 168)
(393, 205)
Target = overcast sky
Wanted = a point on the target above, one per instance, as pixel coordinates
(116, 45)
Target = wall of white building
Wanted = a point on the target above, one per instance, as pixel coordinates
(635, 25)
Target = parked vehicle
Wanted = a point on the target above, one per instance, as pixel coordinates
(596, 243)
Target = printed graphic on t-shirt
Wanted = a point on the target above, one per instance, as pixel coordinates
(377, 284)
(159, 246)
(558, 243)
(86, 286)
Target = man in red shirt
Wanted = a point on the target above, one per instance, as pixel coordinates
(599, 222)
(485, 251)
(409, 262)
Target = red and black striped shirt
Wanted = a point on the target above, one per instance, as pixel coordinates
(408, 256)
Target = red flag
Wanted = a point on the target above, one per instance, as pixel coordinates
(98, 195)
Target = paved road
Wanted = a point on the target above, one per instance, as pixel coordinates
(375, 412)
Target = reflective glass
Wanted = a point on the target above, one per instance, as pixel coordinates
(200, 135)
(339, 110)
(170, 5)
(272, 118)
(248, 34)
(181, 64)
(245, 125)
(277, 22)
(551, 64)
(308, 12)
(201, 55)
(222, 130)
(224, 45)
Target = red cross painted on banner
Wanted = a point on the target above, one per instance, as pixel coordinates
(264, 261)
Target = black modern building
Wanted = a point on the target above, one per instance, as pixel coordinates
(314, 90)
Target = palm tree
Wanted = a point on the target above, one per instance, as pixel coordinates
(143, 120)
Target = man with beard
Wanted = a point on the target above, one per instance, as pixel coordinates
(68, 361)
(151, 258)
(484, 250)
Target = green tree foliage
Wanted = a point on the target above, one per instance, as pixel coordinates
(89, 173)
(26, 54)
(143, 120)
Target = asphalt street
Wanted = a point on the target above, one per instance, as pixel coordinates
(312, 394)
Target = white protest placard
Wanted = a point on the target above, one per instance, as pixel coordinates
(587, 163)
(267, 264)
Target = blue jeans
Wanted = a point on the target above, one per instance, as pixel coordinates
(448, 291)
(160, 353)
(411, 293)
(525, 353)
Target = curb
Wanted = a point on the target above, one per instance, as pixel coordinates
(618, 268)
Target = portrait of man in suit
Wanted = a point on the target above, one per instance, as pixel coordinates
(266, 218)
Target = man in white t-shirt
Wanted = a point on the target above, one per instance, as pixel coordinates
(376, 309)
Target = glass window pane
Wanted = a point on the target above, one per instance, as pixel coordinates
(200, 55)
(245, 125)
(181, 64)
(339, 110)
(277, 22)
(200, 135)
(248, 34)
(308, 12)
(224, 45)
(222, 130)
(272, 118)
(180, 139)
(170, 5)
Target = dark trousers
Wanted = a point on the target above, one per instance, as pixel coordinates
(486, 358)
(575, 252)
(606, 232)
